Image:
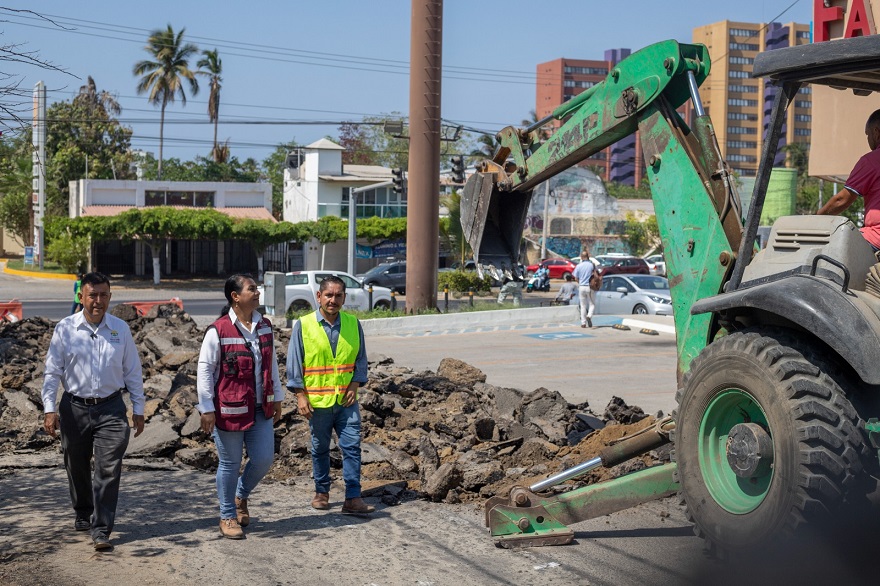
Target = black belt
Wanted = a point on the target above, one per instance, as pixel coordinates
(94, 400)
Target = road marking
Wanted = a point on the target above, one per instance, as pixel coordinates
(558, 335)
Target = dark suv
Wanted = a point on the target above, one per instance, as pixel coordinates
(628, 265)
(388, 274)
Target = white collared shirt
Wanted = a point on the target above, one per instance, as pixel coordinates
(209, 363)
(92, 363)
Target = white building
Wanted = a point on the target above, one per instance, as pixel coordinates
(107, 197)
(317, 184)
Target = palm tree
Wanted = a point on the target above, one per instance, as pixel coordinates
(213, 67)
(163, 78)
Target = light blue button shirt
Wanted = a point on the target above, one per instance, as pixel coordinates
(92, 363)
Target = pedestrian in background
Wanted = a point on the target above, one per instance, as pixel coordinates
(94, 357)
(568, 292)
(240, 398)
(77, 301)
(582, 272)
(326, 363)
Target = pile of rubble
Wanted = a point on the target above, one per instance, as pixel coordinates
(448, 435)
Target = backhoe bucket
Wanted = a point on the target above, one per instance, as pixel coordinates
(492, 221)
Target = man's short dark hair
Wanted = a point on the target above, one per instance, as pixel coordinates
(873, 119)
(95, 278)
(332, 279)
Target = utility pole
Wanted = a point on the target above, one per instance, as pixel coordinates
(423, 196)
(544, 225)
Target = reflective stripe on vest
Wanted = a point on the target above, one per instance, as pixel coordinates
(325, 377)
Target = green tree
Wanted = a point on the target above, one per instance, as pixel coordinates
(84, 140)
(213, 67)
(641, 236)
(326, 230)
(273, 171)
(157, 225)
(485, 148)
(205, 169)
(16, 186)
(163, 77)
(260, 234)
(451, 231)
(69, 251)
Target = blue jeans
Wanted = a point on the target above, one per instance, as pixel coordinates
(260, 443)
(346, 421)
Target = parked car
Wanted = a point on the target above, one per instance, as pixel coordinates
(615, 265)
(387, 274)
(656, 264)
(558, 267)
(302, 286)
(639, 294)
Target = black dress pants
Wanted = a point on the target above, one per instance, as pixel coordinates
(101, 430)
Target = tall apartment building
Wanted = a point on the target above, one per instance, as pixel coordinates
(739, 105)
(560, 80)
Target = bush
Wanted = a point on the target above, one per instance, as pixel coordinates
(71, 252)
(462, 281)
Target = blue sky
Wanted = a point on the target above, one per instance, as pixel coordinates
(302, 63)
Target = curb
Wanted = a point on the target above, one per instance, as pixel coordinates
(39, 275)
(649, 325)
(389, 326)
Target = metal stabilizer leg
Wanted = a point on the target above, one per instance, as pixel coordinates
(530, 520)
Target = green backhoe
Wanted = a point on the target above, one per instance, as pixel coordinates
(778, 348)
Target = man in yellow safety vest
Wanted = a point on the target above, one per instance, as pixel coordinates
(326, 363)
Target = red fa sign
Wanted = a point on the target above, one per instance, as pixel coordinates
(859, 19)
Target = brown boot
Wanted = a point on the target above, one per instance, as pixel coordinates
(321, 501)
(356, 506)
(241, 512)
(231, 529)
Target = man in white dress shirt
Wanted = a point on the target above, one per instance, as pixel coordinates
(94, 357)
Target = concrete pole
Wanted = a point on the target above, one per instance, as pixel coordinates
(423, 184)
(545, 229)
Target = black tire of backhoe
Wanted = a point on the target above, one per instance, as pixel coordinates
(829, 446)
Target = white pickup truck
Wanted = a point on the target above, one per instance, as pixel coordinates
(301, 288)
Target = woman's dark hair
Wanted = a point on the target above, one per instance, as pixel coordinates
(235, 283)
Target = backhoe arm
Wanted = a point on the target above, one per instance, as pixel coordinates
(695, 201)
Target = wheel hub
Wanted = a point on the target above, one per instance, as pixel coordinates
(749, 450)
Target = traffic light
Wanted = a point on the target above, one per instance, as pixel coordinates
(457, 169)
(397, 180)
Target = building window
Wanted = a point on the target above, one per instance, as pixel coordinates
(381, 202)
(802, 132)
(741, 60)
(742, 144)
(578, 83)
(742, 130)
(745, 172)
(743, 47)
(743, 89)
(803, 104)
(739, 73)
(742, 32)
(802, 34)
(189, 199)
(742, 116)
(742, 158)
(807, 89)
(586, 70)
(802, 118)
(744, 103)
(560, 226)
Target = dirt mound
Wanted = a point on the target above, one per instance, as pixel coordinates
(447, 434)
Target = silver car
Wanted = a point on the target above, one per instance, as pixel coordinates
(639, 294)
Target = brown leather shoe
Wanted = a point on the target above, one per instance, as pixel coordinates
(321, 501)
(356, 506)
(241, 512)
(231, 529)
